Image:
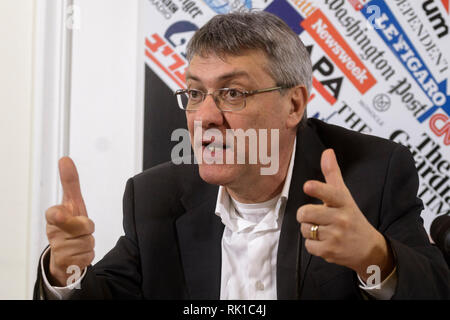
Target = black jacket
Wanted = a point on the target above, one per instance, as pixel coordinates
(172, 243)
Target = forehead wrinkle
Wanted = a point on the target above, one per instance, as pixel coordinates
(224, 77)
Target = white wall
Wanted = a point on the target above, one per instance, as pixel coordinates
(105, 114)
(16, 48)
(75, 96)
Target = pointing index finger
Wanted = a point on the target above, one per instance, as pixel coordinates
(70, 182)
(330, 195)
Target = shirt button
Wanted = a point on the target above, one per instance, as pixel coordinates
(259, 286)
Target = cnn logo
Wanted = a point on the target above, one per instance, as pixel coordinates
(440, 125)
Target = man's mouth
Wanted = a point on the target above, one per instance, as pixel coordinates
(214, 146)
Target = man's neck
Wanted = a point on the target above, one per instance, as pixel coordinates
(264, 187)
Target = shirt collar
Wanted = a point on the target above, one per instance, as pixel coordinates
(225, 209)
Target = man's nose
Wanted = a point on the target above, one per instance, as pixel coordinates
(209, 113)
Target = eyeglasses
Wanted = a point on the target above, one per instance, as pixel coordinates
(226, 99)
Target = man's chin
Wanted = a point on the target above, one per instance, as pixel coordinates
(218, 174)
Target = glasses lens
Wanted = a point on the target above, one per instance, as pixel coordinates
(194, 98)
(231, 99)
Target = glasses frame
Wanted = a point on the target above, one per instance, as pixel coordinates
(215, 96)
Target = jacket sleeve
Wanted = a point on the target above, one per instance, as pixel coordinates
(421, 269)
(118, 274)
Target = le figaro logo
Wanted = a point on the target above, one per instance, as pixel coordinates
(396, 39)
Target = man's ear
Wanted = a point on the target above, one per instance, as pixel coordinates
(299, 100)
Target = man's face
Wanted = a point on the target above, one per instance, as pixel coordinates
(262, 111)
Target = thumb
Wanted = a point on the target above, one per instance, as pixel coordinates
(72, 198)
(330, 169)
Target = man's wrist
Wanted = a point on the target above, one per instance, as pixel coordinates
(381, 256)
(56, 292)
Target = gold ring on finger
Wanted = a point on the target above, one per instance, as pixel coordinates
(314, 232)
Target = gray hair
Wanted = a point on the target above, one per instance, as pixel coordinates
(231, 34)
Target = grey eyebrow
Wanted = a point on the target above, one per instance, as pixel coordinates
(234, 74)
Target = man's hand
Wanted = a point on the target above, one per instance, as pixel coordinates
(344, 237)
(69, 230)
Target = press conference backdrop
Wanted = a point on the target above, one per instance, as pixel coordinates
(379, 67)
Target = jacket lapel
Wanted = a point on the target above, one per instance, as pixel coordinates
(291, 270)
(200, 233)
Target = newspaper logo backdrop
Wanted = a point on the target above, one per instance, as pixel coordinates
(379, 67)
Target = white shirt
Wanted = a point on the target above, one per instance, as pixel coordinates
(250, 244)
(249, 250)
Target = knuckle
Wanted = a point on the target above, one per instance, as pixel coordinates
(91, 226)
(299, 214)
(87, 225)
(91, 242)
(91, 256)
(56, 247)
(86, 259)
(305, 230)
(343, 222)
(50, 213)
(306, 213)
(338, 238)
(52, 232)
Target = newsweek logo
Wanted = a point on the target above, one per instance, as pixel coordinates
(332, 43)
(168, 53)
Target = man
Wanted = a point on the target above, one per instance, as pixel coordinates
(340, 206)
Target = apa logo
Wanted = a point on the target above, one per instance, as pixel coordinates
(329, 85)
(170, 55)
(440, 125)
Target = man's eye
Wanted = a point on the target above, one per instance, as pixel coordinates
(194, 94)
(233, 94)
